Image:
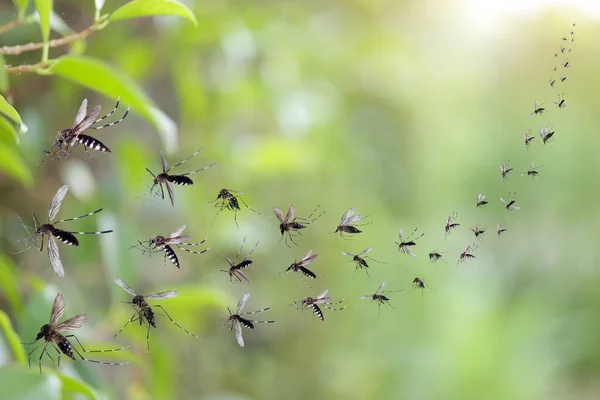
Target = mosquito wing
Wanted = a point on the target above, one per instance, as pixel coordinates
(370, 296)
(88, 120)
(238, 333)
(503, 201)
(125, 286)
(278, 214)
(55, 257)
(400, 235)
(242, 303)
(531, 167)
(354, 219)
(178, 232)
(58, 308)
(365, 251)
(164, 162)
(170, 192)
(346, 217)
(179, 239)
(56, 202)
(290, 214)
(409, 252)
(322, 295)
(308, 258)
(71, 324)
(80, 113)
(162, 295)
(380, 288)
(480, 197)
(347, 254)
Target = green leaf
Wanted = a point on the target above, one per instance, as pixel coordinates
(8, 283)
(146, 8)
(19, 383)
(3, 76)
(12, 114)
(12, 339)
(44, 9)
(13, 165)
(70, 385)
(111, 82)
(21, 6)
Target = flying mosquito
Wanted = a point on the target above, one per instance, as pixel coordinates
(165, 244)
(560, 102)
(563, 78)
(347, 223)
(510, 204)
(237, 321)
(420, 284)
(379, 296)
(528, 138)
(505, 169)
(289, 223)
(235, 268)
(481, 201)
(501, 228)
(405, 245)
(52, 232)
(566, 64)
(71, 137)
(552, 82)
(51, 333)
(451, 223)
(360, 260)
(170, 180)
(537, 108)
(321, 299)
(532, 172)
(436, 256)
(144, 312)
(546, 134)
(479, 231)
(300, 266)
(228, 199)
(467, 253)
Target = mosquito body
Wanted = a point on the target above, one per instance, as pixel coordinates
(420, 284)
(451, 223)
(467, 253)
(290, 223)
(563, 78)
(380, 297)
(552, 82)
(313, 303)
(165, 244)
(528, 138)
(436, 256)
(560, 102)
(361, 260)
(501, 228)
(164, 178)
(405, 244)
(228, 199)
(481, 201)
(348, 223)
(300, 266)
(505, 169)
(531, 172)
(71, 137)
(566, 64)
(144, 313)
(509, 204)
(237, 321)
(546, 133)
(49, 229)
(537, 108)
(235, 268)
(52, 333)
(479, 231)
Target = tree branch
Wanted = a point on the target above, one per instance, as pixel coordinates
(19, 69)
(18, 49)
(12, 24)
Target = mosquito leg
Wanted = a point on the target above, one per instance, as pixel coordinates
(134, 318)
(31, 352)
(41, 355)
(95, 351)
(173, 321)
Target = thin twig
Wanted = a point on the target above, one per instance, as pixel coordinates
(12, 24)
(18, 49)
(19, 69)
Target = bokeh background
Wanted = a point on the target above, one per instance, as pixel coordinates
(402, 109)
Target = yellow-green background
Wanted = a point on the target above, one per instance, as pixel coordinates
(402, 109)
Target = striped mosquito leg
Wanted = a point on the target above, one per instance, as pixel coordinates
(264, 322)
(201, 169)
(179, 246)
(96, 351)
(173, 321)
(91, 233)
(256, 312)
(177, 165)
(337, 302)
(81, 216)
(110, 113)
(96, 361)
(134, 318)
(332, 308)
(112, 123)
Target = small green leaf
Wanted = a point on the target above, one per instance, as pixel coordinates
(3, 76)
(73, 386)
(21, 6)
(12, 114)
(12, 339)
(44, 9)
(146, 8)
(8, 283)
(13, 165)
(19, 383)
(111, 82)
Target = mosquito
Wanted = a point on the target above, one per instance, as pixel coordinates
(532, 172)
(289, 224)
(144, 312)
(51, 333)
(404, 245)
(420, 284)
(546, 133)
(235, 268)
(52, 232)
(510, 204)
(481, 201)
(347, 223)
(467, 253)
(321, 299)
(436, 256)
(552, 82)
(165, 244)
(300, 266)
(501, 228)
(170, 180)
(379, 296)
(228, 199)
(566, 64)
(528, 138)
(71, 137)
(560, 103)
(479, 231)
(563, 78)
(360, 260)
(237, 321)
(537, 108)
(451, 223)
(505, 169)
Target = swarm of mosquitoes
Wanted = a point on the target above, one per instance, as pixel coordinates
(58, 336)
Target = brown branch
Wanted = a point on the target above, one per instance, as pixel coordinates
(18, 49)
(12, 24)
(19, 69)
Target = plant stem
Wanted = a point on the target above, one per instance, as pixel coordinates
(12, 24)
(18, 49)
(19, 69)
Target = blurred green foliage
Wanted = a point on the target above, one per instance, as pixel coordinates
(398, 109)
